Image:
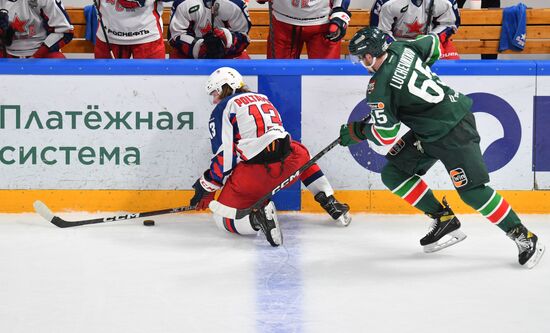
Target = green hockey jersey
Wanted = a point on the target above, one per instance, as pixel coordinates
(405, 90)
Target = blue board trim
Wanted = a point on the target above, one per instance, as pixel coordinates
(251, 67)
(543, 68)
(485, 67)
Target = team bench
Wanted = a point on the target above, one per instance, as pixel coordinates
(478, 34)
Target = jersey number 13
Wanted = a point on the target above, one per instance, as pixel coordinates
(266, 116)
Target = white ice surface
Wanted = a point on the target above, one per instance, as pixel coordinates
(184, 275)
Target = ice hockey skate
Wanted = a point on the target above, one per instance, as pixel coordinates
(338, 211)
(265, 219)
(444, 231)
(530, 250)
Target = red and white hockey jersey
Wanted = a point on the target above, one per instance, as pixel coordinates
(305, 12)
(37, 23)
(191, 20)
(406, 19)
(241, 126)
(131, 22)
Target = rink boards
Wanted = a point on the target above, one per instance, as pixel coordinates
(132, 135)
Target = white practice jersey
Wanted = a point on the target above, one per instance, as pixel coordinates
(305, 12)
(35, 22)
(241, 126)
(191, 20)
(406, 19)
(131, 22)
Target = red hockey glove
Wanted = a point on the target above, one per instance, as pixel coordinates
(338, 23)
(225, 35)
(444, 37)
(448, 50)
(204, 193)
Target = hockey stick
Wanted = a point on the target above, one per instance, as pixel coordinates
(46, 213)
(100, 17)
(213, 14)
(430, 15)
(235, 213)
(271, 35)
(4, 48)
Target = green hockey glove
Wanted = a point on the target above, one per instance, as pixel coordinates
(352, 133)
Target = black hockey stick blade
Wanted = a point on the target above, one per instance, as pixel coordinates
(430, 17)
(235, 213)
(47, 214)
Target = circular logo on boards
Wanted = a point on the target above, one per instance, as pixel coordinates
(501, 151)
(496, 156)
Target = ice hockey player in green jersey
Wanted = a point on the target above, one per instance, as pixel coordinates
(404, 90)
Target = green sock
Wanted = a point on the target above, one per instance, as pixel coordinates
(417, 193)
(491, 205)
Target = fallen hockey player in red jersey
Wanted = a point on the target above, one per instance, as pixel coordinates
(252, 154)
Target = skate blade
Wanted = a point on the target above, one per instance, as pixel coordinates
(455, 237)
(276, 235)
(534, 260)
(344, 220)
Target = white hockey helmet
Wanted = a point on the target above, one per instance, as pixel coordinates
(222, 76)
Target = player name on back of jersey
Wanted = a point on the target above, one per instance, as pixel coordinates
(402, 69)
(250, 98)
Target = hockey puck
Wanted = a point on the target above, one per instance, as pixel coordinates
(149, 223)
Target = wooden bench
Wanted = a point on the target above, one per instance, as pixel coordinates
(478, 34)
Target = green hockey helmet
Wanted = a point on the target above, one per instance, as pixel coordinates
(369, 40)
